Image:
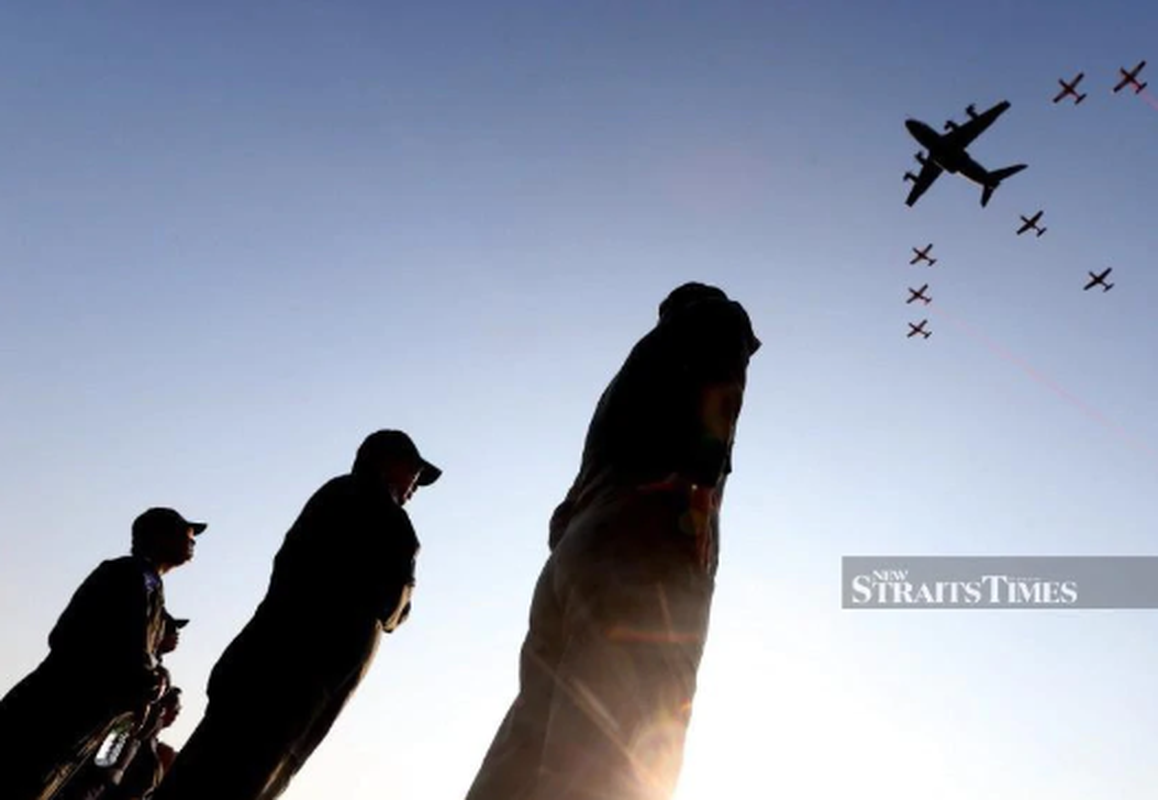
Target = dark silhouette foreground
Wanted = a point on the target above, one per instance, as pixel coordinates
(344, 574)
(621, 609)
(102, 668)
(137, 759)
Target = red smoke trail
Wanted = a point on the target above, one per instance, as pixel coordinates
(1048, 382)
(1149, 98)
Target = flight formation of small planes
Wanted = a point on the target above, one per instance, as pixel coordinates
(948, 152)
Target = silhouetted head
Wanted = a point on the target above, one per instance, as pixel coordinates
(392, 456)
(165, 537)
(685, 296)
(692, 294)
(168, 707)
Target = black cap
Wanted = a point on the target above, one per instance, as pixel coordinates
(162, 521)
(386, 445)
(688, 294)
(174, 621)
(693, 295)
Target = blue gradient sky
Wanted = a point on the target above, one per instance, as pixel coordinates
(233, 242)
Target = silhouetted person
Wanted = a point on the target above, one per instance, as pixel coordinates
(170, 634)
(135, 738)
(102, 664)
(620, 611)
(344, 574)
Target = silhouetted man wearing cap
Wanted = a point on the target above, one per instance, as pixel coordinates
(344, 575)
(170, 634)
(102, 663)
(620, 611)
(140, 758)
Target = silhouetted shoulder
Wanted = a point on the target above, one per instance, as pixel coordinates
(125, 568)
(113, 580)
(350, 500)
(342, 530)
(108, 615)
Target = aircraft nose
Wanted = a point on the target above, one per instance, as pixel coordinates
(911, 125)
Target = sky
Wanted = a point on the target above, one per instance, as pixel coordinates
(234, 241)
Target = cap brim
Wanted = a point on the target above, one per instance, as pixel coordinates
(180, 623)
(429, 474)
(198, 527)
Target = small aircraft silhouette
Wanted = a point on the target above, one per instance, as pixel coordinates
(923, 255)
(1070, 89)
(948, 153)
(1131, 78)
(919, 294)
(918, 329)
(1030, 223)
(1100, 279)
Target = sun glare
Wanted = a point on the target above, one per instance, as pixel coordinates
(782, 725)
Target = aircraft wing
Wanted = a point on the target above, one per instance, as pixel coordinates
(1091, 283)
(964, 134)
(929, 173)
(1057, 98)
(1129, 77)
(1026, 226)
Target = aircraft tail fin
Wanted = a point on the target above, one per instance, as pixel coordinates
(995, 179)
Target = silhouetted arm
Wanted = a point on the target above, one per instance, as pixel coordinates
(377, 568)
(398, 576)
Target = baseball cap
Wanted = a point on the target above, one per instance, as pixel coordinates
(688, 294)
(390, 444)
(163, 520)
(174, 621)
(724, 313)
